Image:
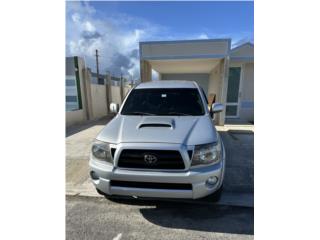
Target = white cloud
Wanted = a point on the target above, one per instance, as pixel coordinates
(80, 7)
(75, 17)
(89, 27)
(116, 37)
(203, 36)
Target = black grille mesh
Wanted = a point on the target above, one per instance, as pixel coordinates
(166, 159)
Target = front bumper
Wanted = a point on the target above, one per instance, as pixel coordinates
(197, 177)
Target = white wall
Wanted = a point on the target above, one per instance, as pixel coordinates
(215, 86)
(201, 78)
(244, 56)
(99, 101)
(115, 94)
(247, 93)
(93, 96)
(126, 90)
(74, 117)
(215, 80)
(99, 104)
(248, 83)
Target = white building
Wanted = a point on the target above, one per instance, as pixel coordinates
(225, 74)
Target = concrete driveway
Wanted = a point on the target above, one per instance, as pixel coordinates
(91, 216)
(238, 140)
(99, 218)
(78, 145)
(239, 144)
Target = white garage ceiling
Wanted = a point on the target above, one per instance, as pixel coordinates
(184, 66)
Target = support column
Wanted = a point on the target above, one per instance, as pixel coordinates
(108, 90)
(145, 71)
(87, 93)
(224, 89)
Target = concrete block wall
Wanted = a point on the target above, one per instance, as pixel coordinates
(99, 106)
(95, 98)
(75, 117)
(115, 95)
(99, 101)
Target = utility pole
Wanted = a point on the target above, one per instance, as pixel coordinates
(97, 65)
(121, 88)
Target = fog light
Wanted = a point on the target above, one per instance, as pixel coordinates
(211, 181)
(94, 176)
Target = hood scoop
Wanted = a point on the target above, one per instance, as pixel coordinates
(156, 122)
(155, 125)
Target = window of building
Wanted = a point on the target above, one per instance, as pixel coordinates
(71, 98)
(70, 82)
(72, 102)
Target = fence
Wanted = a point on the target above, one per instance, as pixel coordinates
(95, 99)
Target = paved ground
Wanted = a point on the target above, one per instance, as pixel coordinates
(78, 143)
(90, 216)
(238, 140)
(99, 218)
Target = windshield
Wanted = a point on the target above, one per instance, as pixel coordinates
(164, 101)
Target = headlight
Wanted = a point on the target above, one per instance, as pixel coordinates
(101, 150)
(206, 154)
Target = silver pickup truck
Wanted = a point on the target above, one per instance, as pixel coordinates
(162, 143)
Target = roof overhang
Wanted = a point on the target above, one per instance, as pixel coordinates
(187, 56)
(242, 59)
(186, 49)
(242, 53)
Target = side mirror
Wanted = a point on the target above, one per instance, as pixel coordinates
(114, 107)
(216, 108)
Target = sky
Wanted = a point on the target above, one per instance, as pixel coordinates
(115, 28)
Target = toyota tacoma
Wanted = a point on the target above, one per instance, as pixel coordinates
(162, 143)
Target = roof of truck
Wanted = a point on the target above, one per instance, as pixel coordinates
(167, 84)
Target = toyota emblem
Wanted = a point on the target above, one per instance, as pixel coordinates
(150, 159)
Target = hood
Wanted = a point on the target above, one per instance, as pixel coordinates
(188, 130)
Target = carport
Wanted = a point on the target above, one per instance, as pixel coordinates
(203, 61)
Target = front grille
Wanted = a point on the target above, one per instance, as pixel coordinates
(179, 186)
(165, 159)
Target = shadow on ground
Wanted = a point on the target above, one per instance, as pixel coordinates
(188, 216)
(80, 127)
(239, 174)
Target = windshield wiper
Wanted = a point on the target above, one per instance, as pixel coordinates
(139, 113)
(179, 114)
